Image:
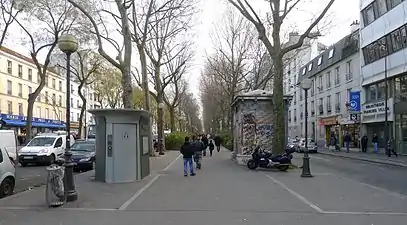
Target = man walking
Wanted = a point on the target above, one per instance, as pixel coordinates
(187, 152)
(391, 147)
(364, 143)
(197, 147)
(218, 141)
(375, 141)
(347, 141)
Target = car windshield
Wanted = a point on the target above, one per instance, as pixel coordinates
(41, 141)
(83, 146)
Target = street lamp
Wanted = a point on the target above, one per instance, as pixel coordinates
(68, 44)
(306, 171)
(161, 129)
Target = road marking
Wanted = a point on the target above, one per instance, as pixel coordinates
(368, 213)
(320, 158)
(143, 189)
(52, 209)
(301, 198)
(391, 193)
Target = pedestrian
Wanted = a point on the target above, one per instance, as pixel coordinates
(347, 141)
(333, 141)
(364, 143)
(218, 141)
(205, 142)
(391, 147)
(197, 147)
(375, 141)
(211, 147)
(187, 153)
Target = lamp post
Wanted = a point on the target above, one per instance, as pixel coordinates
(160, 128)
(306, 171)
(68, 44)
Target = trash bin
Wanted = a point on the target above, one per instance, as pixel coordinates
(55, 190)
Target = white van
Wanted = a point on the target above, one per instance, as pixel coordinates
(44, 148)
(7, 174)
(8, 141)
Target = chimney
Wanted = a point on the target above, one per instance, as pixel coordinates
(354, 26)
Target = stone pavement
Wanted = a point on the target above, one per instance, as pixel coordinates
(223, 193)
(381, 158)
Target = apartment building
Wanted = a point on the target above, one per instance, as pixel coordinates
(383, 43)
(18, 78)
(334, 75)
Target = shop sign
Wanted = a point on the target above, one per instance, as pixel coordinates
(375, 112)
(333, 120)
(24, 118)
(354, 101)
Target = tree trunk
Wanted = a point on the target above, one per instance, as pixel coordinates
(83, 108)
(278, 107)
(144, 77)
(172, 118)
(127, 96)
(160, 124)
(30, 108)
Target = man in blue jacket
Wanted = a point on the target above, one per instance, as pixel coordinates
(187, 152)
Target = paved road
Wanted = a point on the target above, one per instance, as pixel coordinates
(383, 176)
(224, 193)
(28, 177)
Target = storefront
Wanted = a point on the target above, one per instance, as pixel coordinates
(39, 125)
(327, 125)
(352, 127)
(373, 117)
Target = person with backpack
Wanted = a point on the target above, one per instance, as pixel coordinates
(187, 153)
(211, 147)
(197, 147)
(204, 140)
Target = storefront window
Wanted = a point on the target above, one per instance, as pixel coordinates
(401, 88)
(401, 133)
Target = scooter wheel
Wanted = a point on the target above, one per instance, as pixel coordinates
(252, 164)
(283, 167)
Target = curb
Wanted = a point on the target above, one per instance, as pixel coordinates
(365, 159)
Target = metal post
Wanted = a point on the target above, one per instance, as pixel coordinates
(306, 171)
(69, 181)
(386, 119)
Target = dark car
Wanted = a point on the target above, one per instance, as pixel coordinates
(84, 155)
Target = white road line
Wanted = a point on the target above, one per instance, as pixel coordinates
(143, 189)
(368, 213)
(301, 198)
(56, 209)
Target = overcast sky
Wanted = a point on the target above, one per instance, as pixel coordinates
(342, 13)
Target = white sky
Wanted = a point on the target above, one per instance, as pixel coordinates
(342, 13)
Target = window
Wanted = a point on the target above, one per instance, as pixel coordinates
(320, 61)
(30, 90)
(20, 90)
(10, 107)
(38, 77)
(312, 108)
(20, 109)
(72, 91)
(47, 113)
(310, 67)
(9, 67)
(381, 90)
(54, 99)
(338, 102)
(304, 70)
(368, 15)
(71, 103)
(289, 115)
(328, 79)
(372, 93)
(53, 83)
(382, 47)
(46, 80)
(301, 112)
(331, 53)
(9, 87)
(77, 117)
(78, 104)
(396, 43)
(39, 111)
(20, 71)
(58, 143)
(46, 98)
(60, 115)
(349, 70)
(60, 100)
(312, 87)
(321, 106)
(381, 6)
(295, 97)
(337, 78)
(60, 85)
(30, 74)
(39, 98)
(321, 86)
(394, 3)
(328, 103)
(295, 115)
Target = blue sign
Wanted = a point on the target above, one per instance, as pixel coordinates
(24, 118)
(354, 101)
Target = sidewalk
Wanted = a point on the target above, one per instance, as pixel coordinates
(221, 193)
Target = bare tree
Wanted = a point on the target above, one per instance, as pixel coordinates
(108, 88)
(279, 11)
(122, 61)
(55, 17)
(9, 12)
(190, 111)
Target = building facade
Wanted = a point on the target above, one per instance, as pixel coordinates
(333, 74)
(383, 43)
(19, 77)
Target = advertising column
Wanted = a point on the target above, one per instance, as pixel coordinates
(353, 127)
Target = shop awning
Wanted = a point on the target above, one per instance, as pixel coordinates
(47, 125)
(17, 123)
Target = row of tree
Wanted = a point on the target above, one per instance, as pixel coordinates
(109, 32)
(250, 53)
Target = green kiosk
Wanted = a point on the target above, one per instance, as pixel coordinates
(123, 140)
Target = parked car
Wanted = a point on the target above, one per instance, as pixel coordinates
(312, 146)
(84, 155)
(8, 141)
(7, 174)
(44, 148)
